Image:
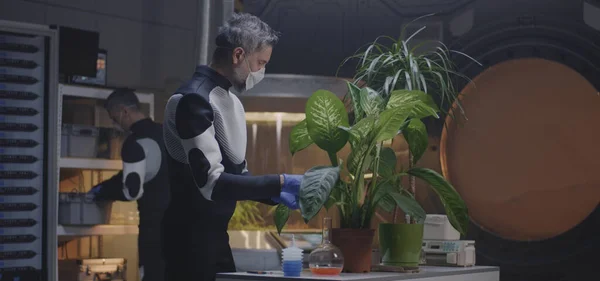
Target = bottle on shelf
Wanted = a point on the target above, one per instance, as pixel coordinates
(326, 259)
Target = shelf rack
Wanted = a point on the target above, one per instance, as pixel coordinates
(89, 163)
(65, 231)
(96, 230)
(100, 93)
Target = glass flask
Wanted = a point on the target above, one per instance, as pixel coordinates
(326, 259)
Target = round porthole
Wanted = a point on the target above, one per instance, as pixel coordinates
(526, 161)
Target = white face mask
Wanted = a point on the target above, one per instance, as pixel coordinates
(254, 77)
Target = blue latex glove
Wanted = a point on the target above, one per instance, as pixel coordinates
(289, 191)
(91, 195)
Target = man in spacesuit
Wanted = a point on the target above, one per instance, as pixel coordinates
(205, 136)
(144, 178)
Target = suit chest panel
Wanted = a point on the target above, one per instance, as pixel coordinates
(230, 125)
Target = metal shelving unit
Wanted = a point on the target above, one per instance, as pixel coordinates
(67, 90)
(89, 163)
(97, 230)
(99, 93)
(29, 72)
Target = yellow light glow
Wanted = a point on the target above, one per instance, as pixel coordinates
(366, 177)
(274, 116)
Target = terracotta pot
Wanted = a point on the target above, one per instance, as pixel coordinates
(356, 246)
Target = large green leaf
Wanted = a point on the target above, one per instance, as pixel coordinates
(336, 196)
(389, 123)
(361, 131)
(387, 203)
(281, 216)
(409, 205)
(401, 97)
(381, 195)
(417, 138)
(387, 162)
(299, 138)
(359, 160)
(419, 110)
(417, 103)
(325, 113)
(370, 101)
(361, 142)
(315, 189)
(456, 209)
(355, 98)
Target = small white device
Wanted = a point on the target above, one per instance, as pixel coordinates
(438, 227)
(448, 253)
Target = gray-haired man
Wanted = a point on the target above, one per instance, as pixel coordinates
(144, 177)
(205, 136)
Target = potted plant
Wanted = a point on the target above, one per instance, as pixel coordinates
(346, 185)
(394, 66)
(368, 178)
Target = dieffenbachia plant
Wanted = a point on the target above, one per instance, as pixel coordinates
(344, 184)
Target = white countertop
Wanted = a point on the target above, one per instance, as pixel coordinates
(428, 273)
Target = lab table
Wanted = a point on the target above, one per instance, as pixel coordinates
(427, 273)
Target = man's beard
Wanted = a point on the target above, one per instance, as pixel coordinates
(238, 83)
(239, 88)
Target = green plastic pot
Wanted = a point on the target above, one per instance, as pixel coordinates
(400, 244)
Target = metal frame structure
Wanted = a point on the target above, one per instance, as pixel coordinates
(92, 163)
(52, 155)
(97, 230)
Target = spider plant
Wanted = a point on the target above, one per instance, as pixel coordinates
(388, 64)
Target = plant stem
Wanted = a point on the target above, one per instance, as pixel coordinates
(411, 178)
(333, 158)
(395, 217)
(411, 181)
(373, 184)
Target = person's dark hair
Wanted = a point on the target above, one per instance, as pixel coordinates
(122, 96)
(245, 31)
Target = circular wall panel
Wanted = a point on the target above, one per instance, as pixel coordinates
(526, 162)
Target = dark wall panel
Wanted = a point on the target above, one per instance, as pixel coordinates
(318, 34)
